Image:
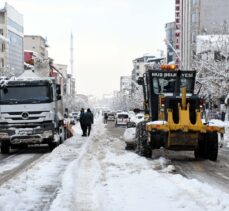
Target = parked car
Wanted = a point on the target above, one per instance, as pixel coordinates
(122, 119)
(111, 116)
(76, 115)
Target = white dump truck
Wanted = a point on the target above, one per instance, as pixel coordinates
(31, 112)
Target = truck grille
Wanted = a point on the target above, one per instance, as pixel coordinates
(24, 116)
(19, 113)
(20, 118)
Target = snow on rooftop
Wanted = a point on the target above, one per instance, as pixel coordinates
(159, 122)
(29, 74)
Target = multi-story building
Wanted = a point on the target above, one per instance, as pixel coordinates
(36, 53)
(139, 65)
(71, 85)
(125, 84)
(36, 44)
(62, 68)
(198, 17)
(11, 48)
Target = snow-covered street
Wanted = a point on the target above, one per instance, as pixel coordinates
(96, 173)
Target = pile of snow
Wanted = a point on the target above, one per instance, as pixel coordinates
(30, 73)
(159, 122)
(226, 135)
(131, 183)
(129, 135)
(137, 118)
(215, 122)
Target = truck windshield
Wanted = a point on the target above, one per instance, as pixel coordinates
(167, 85)
(123, 116)
(25, 94)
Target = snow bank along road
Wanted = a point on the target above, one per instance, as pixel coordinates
(96, 173)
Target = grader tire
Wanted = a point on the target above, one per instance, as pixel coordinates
(212, 146)
(5, 147)
(142, 147)
(200, 151)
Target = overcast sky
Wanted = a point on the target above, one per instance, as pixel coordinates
(108, 35)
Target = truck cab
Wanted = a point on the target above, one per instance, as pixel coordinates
(31, 112)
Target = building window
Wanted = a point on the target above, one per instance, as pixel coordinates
(194, 18)
(195, 2)
(2, 63)
(193, 37)
(3, 47)
(193, 54)
(137, 67)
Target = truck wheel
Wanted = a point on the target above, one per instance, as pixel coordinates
(5, 147)
(61, 140)
(127, 147)
(212, 146)
(200, 151)
(142, 147)
(130, 147)
(52, 145)
(147, 152)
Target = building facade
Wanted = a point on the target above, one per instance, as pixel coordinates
(63, 71)
(36, 44)
(198, 17)
(11, 48)
(125, 84)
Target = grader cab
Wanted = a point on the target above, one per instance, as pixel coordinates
(174, 115)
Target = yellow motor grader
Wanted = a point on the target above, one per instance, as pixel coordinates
(174, 115)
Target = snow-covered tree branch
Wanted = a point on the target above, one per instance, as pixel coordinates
(212, 65)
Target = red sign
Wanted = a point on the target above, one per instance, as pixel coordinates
(28, 58)
(178, 14)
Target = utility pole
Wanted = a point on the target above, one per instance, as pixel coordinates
(174, 50)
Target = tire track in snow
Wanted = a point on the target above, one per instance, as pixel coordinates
(21, 168)
(87, 177)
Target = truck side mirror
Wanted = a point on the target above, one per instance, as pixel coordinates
(58, 92)
(5, 90)
(58, 89)
(140, 81)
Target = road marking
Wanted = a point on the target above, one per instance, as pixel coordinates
(220, 174)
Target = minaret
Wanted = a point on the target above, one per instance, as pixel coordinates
(71, 55)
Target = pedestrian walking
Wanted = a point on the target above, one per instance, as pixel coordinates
(105, 118)
(82, 122)
(89, 120)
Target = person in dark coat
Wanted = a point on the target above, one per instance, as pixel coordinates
(89, 120)
(82, 122)
(105, 118)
